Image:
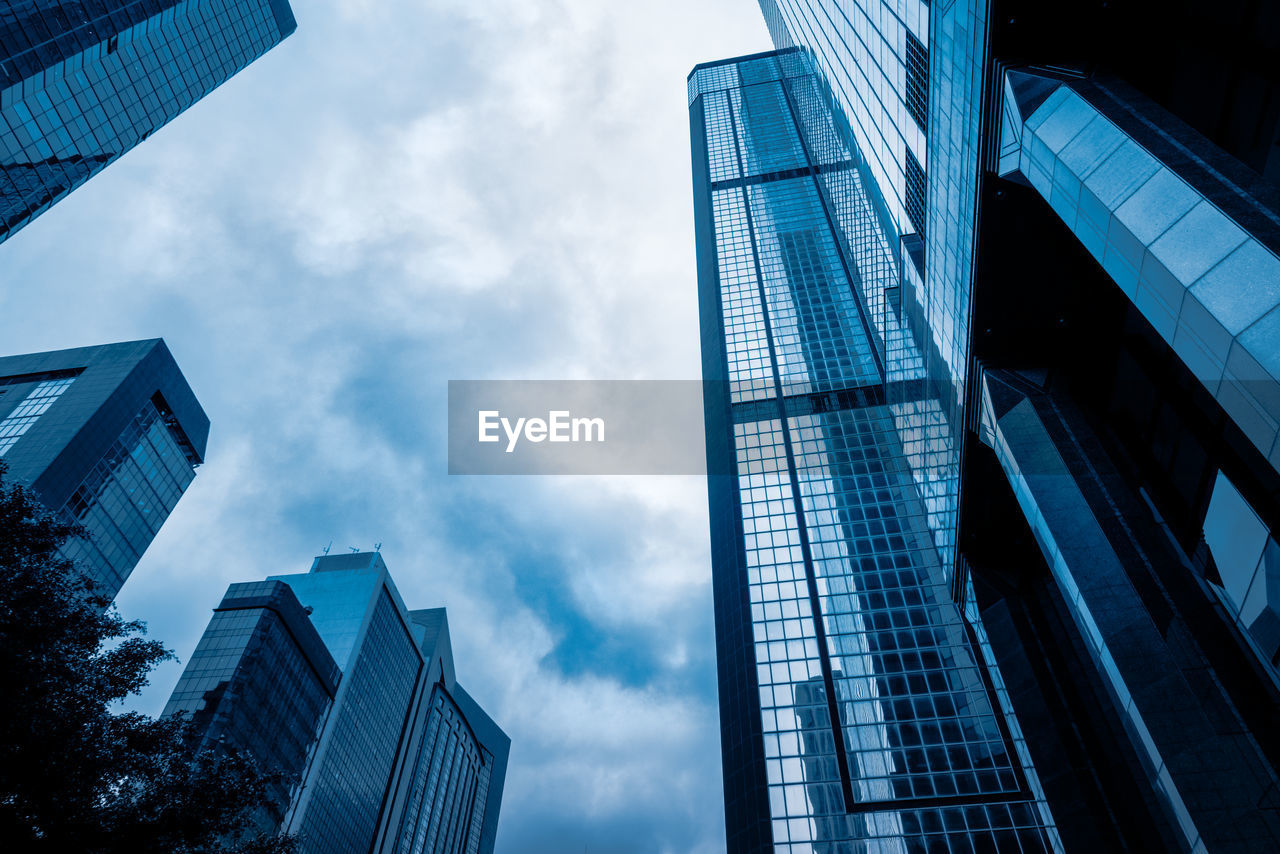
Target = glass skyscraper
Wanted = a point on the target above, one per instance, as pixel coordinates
(327, 677)
(260, 681)
(108, 437)
(990, 294)
(859, 707)
(84, 81)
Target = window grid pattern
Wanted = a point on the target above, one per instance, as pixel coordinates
(793, 704)
(958, 50)
(768, 144)
(750, 365)
(125, 498)
(860, 46)
(917, 90)
(480, 800)
(915, 194)
(820, 341)
(715, 78)
(722, 152)
(83, 81)
(445, 784)
(19, 421)
(347, 794)
(917, 718)
(928, 745)
(876, 56)
(249, 686)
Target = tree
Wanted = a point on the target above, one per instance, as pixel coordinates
(73, 775)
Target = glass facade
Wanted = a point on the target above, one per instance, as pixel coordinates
(83, 81)
(259, 681)
(109, 437)
(859, 710)
(905, 83)
(874, 56)
(405, 760)
(126, 496)
(449, 785)
(349, 787)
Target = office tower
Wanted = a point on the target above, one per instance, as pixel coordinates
(1076, 313)
(327, 677)
(260, 681)
(84, 81)
(108, 437)
(859, 709)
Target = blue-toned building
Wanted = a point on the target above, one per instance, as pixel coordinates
(260, 681)
(108, 437)
(860, 709)
(990, 294)
(360, 708)
(84, 81)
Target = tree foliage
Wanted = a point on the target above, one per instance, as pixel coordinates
(74, 776)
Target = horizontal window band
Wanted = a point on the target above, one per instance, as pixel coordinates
(939, 801)
(781, 175)
(819, 402)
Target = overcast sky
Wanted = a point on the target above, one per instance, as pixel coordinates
(400, 194)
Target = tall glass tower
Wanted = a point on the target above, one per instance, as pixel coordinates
(327, 677)
(109, 437)
(859, 708)
(990, 298)
(84, 81)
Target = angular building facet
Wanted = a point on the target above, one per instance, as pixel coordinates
(84, 81)
(382, 749)
(989, 295)
(108, 437)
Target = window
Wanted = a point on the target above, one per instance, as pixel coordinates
(19, 421)
(917, 94)
(915, 194)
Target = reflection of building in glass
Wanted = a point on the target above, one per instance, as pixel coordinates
(1043, 242)
(108, 437)
(83, 81)
(327, 677)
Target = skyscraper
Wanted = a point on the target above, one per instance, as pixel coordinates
(260, 681)
(84, 81)
(1055, 239)
(327, 677)
(858, 705)
(108, 437)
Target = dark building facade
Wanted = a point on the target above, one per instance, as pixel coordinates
(108, 437)
(260, 681)
(327, 677)
(84, 81)
(1059, 227)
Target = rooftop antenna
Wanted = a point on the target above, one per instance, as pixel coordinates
(377, 547)
(354, 550)
(326, 548)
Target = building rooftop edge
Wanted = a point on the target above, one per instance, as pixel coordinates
(736, 59)
(114, 345)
